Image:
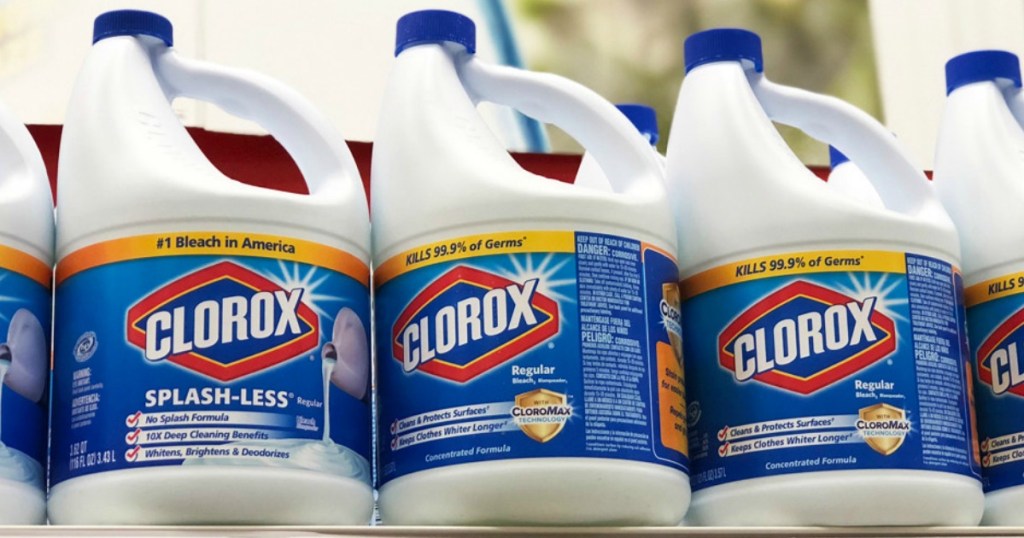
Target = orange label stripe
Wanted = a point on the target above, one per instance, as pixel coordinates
(27, 265)
(644, 247)
(158, 246)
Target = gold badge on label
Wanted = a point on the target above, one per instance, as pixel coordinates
(883, 427)
(541, 414)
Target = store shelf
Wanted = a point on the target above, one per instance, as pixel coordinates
(508, 532)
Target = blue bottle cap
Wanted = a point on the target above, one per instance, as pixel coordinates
(723, 45)
(435, 26)
(836, 157)
(133, 22)
(982, 65)
(644, 118)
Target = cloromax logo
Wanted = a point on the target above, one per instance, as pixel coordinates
(999, 357)
(469, 321)
(804, 337)
(223, 321)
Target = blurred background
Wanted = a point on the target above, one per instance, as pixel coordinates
(631, 51)
(884, 56)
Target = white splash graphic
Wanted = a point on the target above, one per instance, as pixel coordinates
(885, 292)
(347, 348)
(327, 364)
(26, 343)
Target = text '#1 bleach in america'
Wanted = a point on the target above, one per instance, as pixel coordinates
(527, 330)
(211, 358)
(645, 120)
(824, 336)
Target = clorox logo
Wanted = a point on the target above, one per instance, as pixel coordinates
(469, 321)
(223, 321)
(999, 357)
(805, 337)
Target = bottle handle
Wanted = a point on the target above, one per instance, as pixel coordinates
(317, 148)
(620, 150)
(20, 160)
(1015, 101)
(901, 185)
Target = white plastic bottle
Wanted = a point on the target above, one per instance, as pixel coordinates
(847, 179)
(527, 330)
(211, 354)
(642, 117)
(823, 337)
(978, 174)
(26, 274)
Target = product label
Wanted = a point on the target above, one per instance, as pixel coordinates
(24, 366)
(820, 361)
(995, 321)
(529, 344)
(211, 348)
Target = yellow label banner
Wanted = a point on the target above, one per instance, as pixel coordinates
(796, 263)
(212, 244)
(994, 288)
(472, 246)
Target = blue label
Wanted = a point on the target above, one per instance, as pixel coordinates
(24, 369)
(826, 361)
(530, 344)
(995, 320)
(211, 349)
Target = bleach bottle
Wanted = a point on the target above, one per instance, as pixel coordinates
(846, 178)
(645, 120)
(211, 354)
(978, 174)
(527, 330)
(824, 337)
(26, 273)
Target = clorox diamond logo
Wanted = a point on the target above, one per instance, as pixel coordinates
(224, 322)
(999, 360)
(469, 321)
(805, 337)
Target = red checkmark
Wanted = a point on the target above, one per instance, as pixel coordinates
(394, 427)
(133, 420)
(984, 445)
(723, 433)
(723, 450)
(133, 437)
(132, 453)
